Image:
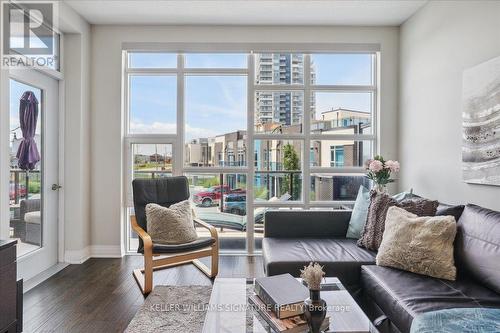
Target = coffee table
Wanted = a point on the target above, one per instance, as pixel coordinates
(229, 310)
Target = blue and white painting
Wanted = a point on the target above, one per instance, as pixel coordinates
(481, 123)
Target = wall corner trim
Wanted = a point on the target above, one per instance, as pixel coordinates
(77, 256)
(92, 251)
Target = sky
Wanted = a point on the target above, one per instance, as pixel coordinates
(216, 105)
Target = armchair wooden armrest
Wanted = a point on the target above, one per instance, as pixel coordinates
(144, 277)
(213, 231)
(146, 239)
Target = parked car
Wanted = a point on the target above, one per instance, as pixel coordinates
(21, 191)
(235, 203)
(212, 196)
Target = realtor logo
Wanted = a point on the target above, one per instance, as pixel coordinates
(28, 34)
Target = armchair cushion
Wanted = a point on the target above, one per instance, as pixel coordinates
(173, 225)
(200, 243)
(162, 191)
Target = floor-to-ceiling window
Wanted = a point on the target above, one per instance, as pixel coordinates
(251, 131)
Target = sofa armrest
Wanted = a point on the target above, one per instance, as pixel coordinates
(306, 224)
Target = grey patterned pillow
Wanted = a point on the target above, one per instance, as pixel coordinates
(173, 225)
(372, 234)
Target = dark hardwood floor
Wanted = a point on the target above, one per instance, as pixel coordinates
(101, 295)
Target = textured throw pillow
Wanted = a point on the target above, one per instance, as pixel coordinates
(419, 206)
(360, 210)
(173, 225)
(372, 234)
(422, 245)
(374, 227)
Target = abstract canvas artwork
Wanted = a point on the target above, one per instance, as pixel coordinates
(481, 123)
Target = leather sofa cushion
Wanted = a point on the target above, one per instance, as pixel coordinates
(402, 295)
(477, 245)
(445, 209)
(306, 223)
(342, 258)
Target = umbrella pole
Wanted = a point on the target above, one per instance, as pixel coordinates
(27, 183)
(16, 187)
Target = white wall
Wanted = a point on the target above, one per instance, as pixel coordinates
(106, 149)
(437, 44)
(4, 149)
(76, 182)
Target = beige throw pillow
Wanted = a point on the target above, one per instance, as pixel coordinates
(173, 225)
(422, 245)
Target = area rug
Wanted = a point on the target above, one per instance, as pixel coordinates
(172, 309)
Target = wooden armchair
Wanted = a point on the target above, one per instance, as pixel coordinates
(165, 192)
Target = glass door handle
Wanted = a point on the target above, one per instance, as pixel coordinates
(55, 187)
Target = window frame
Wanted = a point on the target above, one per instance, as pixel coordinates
(334, 157)
(306, 137)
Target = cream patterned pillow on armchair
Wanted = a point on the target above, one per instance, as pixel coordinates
(422, 245)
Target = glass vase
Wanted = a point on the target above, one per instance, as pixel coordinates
(381, 188)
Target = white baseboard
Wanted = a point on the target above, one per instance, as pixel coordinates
(39, 278)
(77, 256)
(105, 251)
(92, 251)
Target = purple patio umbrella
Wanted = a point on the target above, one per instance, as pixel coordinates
(27, 153)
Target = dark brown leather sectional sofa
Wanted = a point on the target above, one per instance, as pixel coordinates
(292, 239)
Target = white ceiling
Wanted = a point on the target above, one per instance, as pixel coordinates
(247, 12)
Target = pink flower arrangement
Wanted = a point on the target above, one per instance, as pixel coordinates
(379, 171)
(375, 166)
(392, 165)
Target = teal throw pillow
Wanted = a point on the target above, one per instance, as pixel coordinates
(359, 213)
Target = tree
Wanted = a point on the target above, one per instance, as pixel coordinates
(291, 182)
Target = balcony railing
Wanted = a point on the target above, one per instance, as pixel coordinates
(338, 188)
(19, 187)
(152, 173)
